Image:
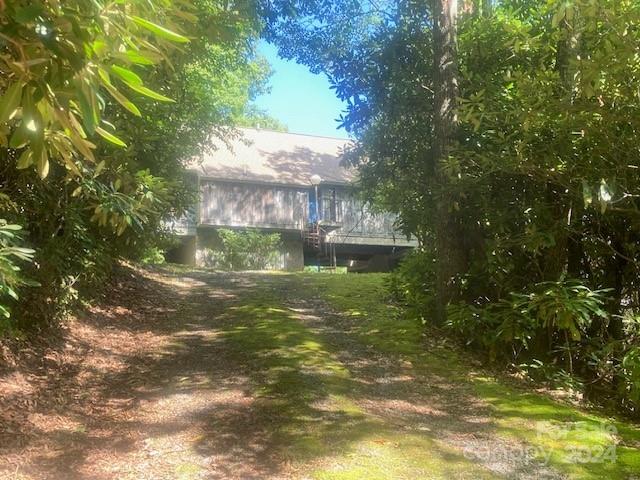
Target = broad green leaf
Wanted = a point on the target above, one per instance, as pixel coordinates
(11, 292)
(99, 46)
(159, 31)
(138, 58)
(25, 160)
(12, 226)
(104, 76)
(99, 168)
(42, 164)
(19, 138)
(88, 113)
(128, 76)
(110, 137)
(10, 101)
(122, 100)
(150, 93)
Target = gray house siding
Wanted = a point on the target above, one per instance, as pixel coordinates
(358, 225)
(232, 204)
(278, 207)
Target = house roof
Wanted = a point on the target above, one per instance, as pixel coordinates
(276, 157)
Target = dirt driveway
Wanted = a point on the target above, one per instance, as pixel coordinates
(202, 375)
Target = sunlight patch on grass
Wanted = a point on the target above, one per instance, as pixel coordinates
(378, 322)
(308, 395)
(556, 429)
(568, 435)
(386, 455)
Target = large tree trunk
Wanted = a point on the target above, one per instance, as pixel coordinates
(451, 259)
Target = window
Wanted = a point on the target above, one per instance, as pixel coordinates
(330, 205)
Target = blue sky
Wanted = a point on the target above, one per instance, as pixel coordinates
(301, 100)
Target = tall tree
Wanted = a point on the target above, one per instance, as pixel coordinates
(526, 202)
(449, 236)
(102, 104)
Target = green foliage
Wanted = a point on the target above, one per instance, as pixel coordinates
(566, 306)
(563, 309)
(153, 256)
(540, 182)
(11, 277)
(244, 250)
(630, 366)
(412, 283)
(257, 118)
(61, 61)
(102, 105)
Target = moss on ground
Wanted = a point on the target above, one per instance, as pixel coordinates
(566, 434)
(392, 455)
(581, 444)
(305, 394)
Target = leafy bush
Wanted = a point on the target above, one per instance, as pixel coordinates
(565, 305)
(548, 331)
(564, 308)
(413, 281)
(492, 327)
(244, 250)
(11, 278)
(153, 256)
(630, 372)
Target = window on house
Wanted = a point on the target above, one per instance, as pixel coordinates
(331, 206)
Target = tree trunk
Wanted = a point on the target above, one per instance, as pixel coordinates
(575, 246)
(451, 259)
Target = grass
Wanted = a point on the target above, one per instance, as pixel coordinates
(306, 395)
(380, 323)
(560, 432)
(565, 433)
(391, 455)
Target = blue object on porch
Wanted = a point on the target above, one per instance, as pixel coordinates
(313, 211)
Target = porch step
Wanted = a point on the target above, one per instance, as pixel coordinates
(314, 237)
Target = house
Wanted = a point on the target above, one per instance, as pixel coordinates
(291, 184)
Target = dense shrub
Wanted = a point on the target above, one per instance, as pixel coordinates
(12, 254)
(552, 332)
(244, 250)
(412, 282)
(100, 111)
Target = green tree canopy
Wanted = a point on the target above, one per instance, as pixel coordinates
(541, 178)
(102, 106)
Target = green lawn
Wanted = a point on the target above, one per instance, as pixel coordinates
(562, 432)
(309, 397)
